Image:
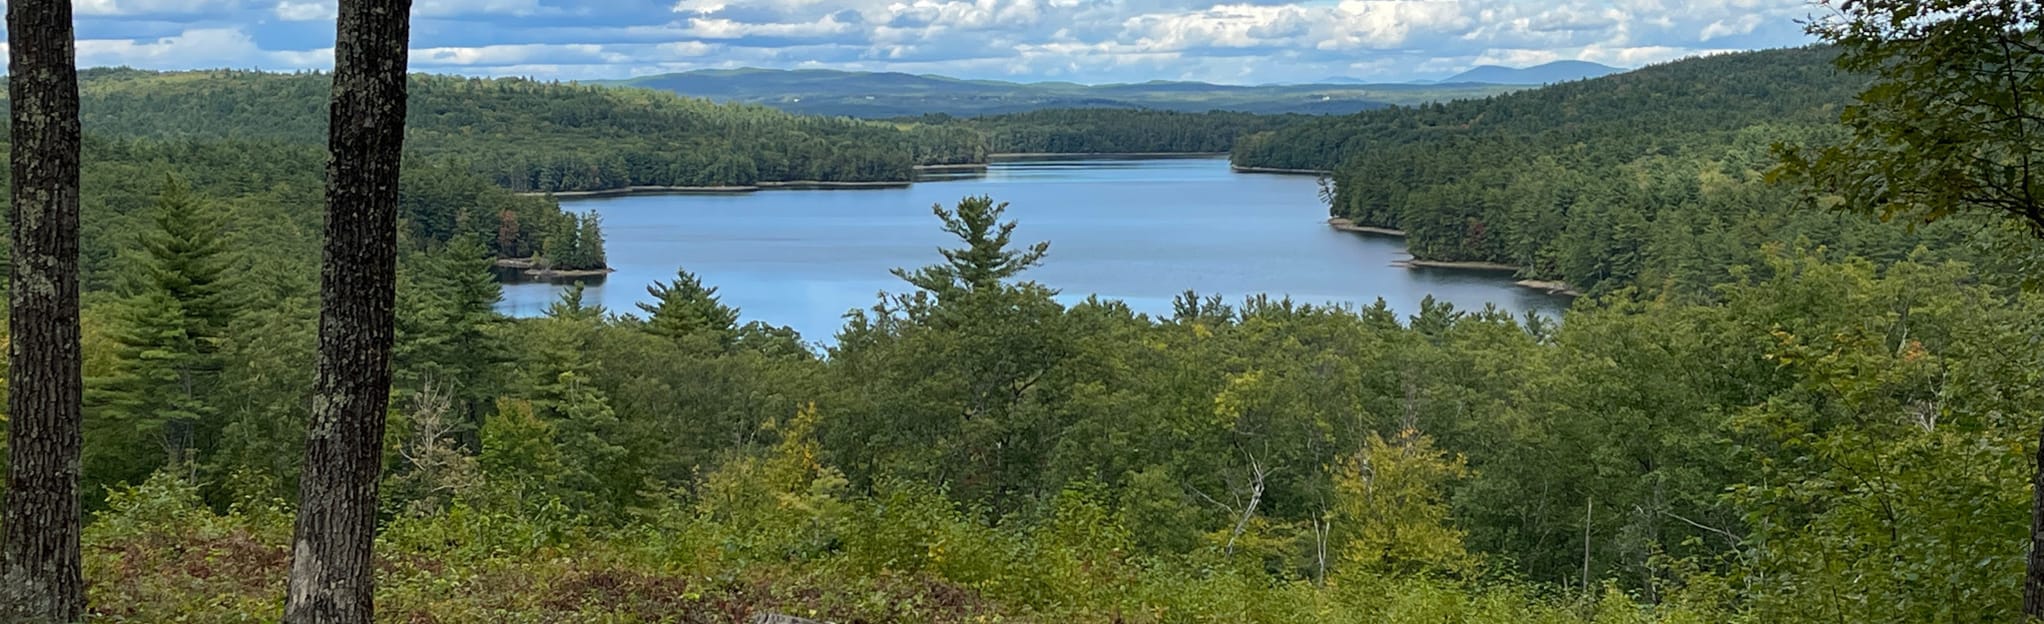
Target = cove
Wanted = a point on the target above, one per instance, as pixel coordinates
(1138, 230)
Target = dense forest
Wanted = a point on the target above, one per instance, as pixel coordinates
(881, 95)
(534, 136)
(1762, 412)
(548, 137)
(1651, 177)
(1113, 131)
(971, 447)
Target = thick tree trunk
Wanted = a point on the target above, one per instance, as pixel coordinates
(39, 569)
(2033, 581)
(331, 573)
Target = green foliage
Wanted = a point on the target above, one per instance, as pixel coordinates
(575, 245)
(1761, 415)
(686, 311)
(986, 258)
(168, 333)
(1949, 124)
(1654, 178)
(1113, 131)
(1389, 515)
(525, 135)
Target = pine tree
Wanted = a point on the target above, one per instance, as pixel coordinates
(986, 258)
(589, 243)
(571, 306)
(685, 309)
(446, 337)
(171, 327)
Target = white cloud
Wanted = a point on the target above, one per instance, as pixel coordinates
(151, 7)
(1086, 40)
(306, 10)
(196, 48)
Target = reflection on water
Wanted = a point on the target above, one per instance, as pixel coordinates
(1141, 231)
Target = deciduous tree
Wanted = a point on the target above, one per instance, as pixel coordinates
(332, 577)
(40, 580)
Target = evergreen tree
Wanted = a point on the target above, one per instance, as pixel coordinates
(447, 332)
(684, 309)
(171, 329)
(589, 253)
(986, 258)
(571, 306)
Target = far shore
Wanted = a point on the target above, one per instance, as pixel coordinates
(882, 184)
(1279, 171)
(1100, 155)
(717, 190)
(956, 167)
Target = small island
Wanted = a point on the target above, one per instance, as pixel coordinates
(571, 248)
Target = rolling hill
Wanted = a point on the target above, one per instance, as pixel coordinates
(1550, 73)
(886, 94)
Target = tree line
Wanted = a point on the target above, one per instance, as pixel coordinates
(1114, 131)
(1648, 177)
(1805, 434)
(531, 136)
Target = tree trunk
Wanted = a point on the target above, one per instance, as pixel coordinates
(2033, 580)
(39, 568)
(332, 577)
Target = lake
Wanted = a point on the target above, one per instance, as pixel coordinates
(1141, 231)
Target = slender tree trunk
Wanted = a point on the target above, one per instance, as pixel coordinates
(332, 577)
(2033, 580)
(39, 569)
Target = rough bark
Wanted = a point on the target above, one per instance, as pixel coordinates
(2033, 579)
(39, 561)
(332, 578)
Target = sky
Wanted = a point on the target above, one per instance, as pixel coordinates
(1092, 41)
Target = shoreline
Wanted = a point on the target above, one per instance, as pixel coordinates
(1278, 170)
(956, 167)
(1346, 225)
(720, 190)
(1003, 156)
(803, 185)
(1459, 265)
(1555, 288)
(525, 266)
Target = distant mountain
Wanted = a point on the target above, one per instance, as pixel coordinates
(1550, 73)
(889, 94)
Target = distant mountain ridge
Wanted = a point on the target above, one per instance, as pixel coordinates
(1549, 73)
(894, 94)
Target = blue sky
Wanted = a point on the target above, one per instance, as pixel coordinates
(1253, 41)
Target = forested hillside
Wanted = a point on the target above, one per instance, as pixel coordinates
(1762, 412)
(892, 94)
(1113, 131)
(1650, 177)
(534, 136)
(975, 449)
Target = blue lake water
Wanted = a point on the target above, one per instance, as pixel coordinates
(1141, 231)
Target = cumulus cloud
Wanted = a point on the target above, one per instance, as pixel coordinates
(199, 47)
(1086, 40)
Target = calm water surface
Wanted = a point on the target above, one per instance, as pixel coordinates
(1141, 231)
